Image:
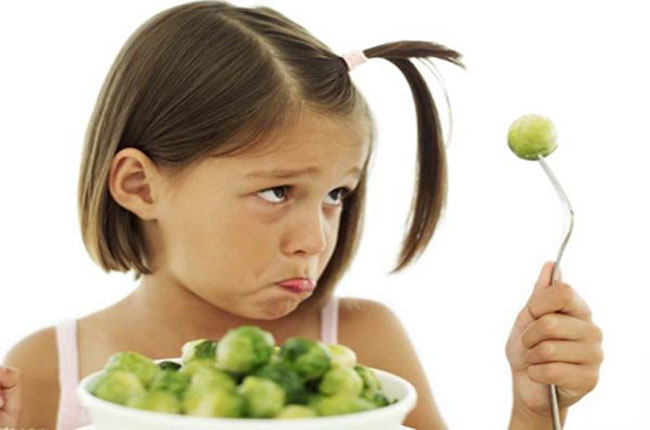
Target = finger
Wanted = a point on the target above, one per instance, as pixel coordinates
(574, 377)
(10, 387)
(544, 279)
(559, 297)
(9, 377)
(560, 327)
(565, 351)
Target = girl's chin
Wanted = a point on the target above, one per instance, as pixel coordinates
(280, 308)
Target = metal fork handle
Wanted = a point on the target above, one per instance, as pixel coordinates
(552, 389)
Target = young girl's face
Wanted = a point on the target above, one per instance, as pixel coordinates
(229, 234)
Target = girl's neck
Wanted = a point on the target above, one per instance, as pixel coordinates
(167, 309)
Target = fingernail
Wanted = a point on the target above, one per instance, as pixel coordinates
(2, 402)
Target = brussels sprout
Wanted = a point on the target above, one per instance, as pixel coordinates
(341, 404)
(375, 397)
(341, 380)
(313, 400)
(312, 385)
(275, 355)
(342, 356)
(369, 378)
(244, 348)
(158, 400)
(532, 135)
(211, 376)
(296, 411)
(170, 380)
(287, 378)
(264, 397)
(117, 386)
(143, 367)
(310, 359)
(212, 401)
(195, 365)
(169, 365)
(199, 349)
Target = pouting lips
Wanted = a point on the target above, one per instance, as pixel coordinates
(298, 285)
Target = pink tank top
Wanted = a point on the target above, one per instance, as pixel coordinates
(72, 415)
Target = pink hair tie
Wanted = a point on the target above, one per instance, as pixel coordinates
(353, 59)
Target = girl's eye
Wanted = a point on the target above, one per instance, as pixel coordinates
(342, 193)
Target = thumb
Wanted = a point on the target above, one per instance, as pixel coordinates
(544, 279)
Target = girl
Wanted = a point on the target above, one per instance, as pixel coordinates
(227, 154)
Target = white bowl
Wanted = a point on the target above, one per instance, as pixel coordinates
(111, 416)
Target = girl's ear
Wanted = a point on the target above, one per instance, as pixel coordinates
(134, 182)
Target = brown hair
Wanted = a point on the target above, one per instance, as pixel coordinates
(207, 78)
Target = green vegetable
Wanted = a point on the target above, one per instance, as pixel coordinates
(138, 364)
(375, 397)
(287, 378)
(342, 356)
(214, 401)
(313, 400)
(275, 355)
(211, 376)
(296, 411)
(195, 365)
(310, 359)
(264, 397)
(117, 386)
(169, 365)
(244, 375)
(341, 404)
(159, 400)
(368, 376)
(341, 380)
(531, 136)
(172, 381)
(199, 349)
(244, 348)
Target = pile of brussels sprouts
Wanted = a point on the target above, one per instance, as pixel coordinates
(244, 375)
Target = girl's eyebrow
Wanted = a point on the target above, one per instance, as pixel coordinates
(289, 173)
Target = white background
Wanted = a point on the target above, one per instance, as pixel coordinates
(583, 64)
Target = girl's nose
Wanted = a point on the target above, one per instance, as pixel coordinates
(310, 233)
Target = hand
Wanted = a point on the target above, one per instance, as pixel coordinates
(553, 341)
(9, 396)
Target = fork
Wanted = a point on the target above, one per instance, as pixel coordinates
(552, 389)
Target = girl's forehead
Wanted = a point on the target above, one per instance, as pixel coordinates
(313, 150)
(311, 145)
(309, 142)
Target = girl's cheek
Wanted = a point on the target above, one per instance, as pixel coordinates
(257, 212)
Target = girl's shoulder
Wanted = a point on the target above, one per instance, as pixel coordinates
(361, 323)
(358, 317)
(355, 307)
(351, 305)
(36, 355)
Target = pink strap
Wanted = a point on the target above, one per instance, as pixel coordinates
(329, 321)
(71, 415)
